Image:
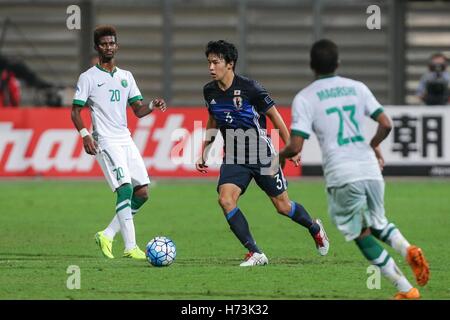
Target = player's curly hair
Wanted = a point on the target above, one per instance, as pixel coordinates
(223, 49)
(102, 31)
(324, 57)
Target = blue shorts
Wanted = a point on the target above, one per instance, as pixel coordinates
(241, 175)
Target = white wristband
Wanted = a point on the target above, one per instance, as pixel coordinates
(84, 132)
(150, 106)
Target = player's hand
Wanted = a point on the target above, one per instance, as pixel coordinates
(90, 145)
(159, 104)
(201, 166)
(379, 156)
(295, 160)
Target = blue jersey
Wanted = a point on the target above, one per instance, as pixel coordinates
(240, 113)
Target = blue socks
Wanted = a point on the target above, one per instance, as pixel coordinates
(239, 226)
(299, 214)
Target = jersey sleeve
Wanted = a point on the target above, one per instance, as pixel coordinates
(205, 98)
(261, 99)
(372, 107)
(134, 94)
(82, 90)
(302, 117)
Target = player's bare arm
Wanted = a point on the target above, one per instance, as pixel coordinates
(207, 143)
(292, 148)
(383, 130)
(90, 146)
(141, 110)
(278, 123)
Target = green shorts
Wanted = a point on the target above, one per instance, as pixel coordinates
(356, 206)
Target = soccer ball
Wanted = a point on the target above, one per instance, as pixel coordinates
(161, 251)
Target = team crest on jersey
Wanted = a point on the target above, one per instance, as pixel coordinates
(237, 101)
(124, 83)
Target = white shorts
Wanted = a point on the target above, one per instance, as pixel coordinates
(122, 164)
(356, 206)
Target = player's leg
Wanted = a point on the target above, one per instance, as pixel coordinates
(110, 160)
(298, 214)
(391, 235)
(233, 182)
(275, 187)
(139, 178)
(140, 196)
(379, 257)
(123, 212)
(348, 210)
(113, 161)
(228, 196)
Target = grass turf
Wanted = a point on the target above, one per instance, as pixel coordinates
(47, 226)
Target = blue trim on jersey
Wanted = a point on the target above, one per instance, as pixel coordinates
(291, 213)
(230, 214)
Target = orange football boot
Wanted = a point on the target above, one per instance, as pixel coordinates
(418, 264)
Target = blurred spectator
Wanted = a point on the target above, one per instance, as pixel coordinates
(11, 70)
(23, 72)
(9, 89)
(434, 85)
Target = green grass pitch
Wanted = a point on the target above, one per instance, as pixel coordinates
(47, 226)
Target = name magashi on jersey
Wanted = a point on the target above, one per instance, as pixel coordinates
(240, 114)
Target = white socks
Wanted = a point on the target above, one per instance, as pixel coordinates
(393, 273)
(398, 242)
(114, 227)
(127, 228)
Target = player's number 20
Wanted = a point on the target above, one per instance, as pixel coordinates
(115, 95)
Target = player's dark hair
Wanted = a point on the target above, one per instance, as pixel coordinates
(324, 57)
(224, 50)
(102, 31)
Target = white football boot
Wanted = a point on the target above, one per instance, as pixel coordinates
(254, 259)
(321, 240)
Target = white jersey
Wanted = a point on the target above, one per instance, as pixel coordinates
(334, 108)
(108, 94)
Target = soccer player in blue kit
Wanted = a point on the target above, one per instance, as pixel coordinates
(238, 107)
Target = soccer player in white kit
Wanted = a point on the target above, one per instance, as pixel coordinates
(334, 108)
(107, 90)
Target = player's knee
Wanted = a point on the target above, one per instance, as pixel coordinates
(364, 233)
(283, 208)
(141, 192)
(141, 195)
(144, 197)
(227, 203)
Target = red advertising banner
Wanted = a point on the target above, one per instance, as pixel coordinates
(43, 142)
